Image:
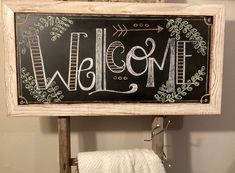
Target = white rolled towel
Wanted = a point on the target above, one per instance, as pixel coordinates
(120, 161)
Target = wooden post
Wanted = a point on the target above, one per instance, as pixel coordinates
(64, 144)
(158, 140)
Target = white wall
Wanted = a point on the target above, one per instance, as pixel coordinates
(194, 144)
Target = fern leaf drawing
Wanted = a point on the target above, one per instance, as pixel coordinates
(58, 25)
(164, 97)
(52, 95)
(178, 26)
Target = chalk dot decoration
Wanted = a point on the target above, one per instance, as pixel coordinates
(114, 77)
(205, 98)
(141, 25)
(208, 21)
(146, 25)
(135, 25)
(22, 100)
(125, 78)
(120, 78)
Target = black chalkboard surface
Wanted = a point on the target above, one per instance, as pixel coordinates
(68, 58)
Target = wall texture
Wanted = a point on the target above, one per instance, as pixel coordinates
(193, 144)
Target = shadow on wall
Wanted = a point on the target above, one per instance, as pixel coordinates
(87, 128)
(82, 124)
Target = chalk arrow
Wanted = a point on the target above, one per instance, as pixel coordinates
(159, 29)
(122, 30)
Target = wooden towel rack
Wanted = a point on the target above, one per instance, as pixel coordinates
(65, 146)
(64, 124)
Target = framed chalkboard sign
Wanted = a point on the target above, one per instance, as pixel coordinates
(81, 58)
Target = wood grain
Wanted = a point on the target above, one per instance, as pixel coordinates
(125, 9)
(158, 140)
(142, 1)
(64, 144)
